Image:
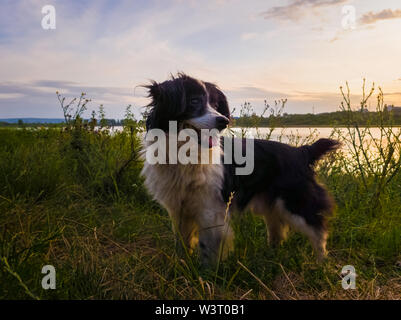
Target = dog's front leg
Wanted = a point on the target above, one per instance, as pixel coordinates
(215, 236)
(185, 229)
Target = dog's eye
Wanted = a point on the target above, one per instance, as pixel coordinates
(195, 100)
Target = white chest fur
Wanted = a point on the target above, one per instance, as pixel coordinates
(190, 186)
(192, 195)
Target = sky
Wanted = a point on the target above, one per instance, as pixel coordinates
(299, 50)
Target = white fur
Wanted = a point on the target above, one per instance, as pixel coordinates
(206, 121)
(192, 196)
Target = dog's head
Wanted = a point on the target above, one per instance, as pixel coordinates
(192, 103)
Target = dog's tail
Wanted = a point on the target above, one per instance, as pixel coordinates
(318, 149)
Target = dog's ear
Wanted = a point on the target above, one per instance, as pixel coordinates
(167, 103)
(218, 99)
(154, 95)
(223, 107)
(154, 90)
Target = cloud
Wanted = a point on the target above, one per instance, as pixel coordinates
(297, 9)
(297, 101)
(393, 94)
(371, 17)
(337, 37)
(248, 35)
(259, 36)
(261, 93)
(41, 94)
(10, 96)
(367, 21)
(53, 83)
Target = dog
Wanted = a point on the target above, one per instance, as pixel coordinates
(282, 187)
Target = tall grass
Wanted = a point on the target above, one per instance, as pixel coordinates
(73, 198)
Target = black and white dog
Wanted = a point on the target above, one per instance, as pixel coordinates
(282, 187)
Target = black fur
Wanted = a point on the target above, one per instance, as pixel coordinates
(171, 100)
(285, 172)
(217, 99)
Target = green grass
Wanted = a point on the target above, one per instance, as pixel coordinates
(108, 240)
(74, 199)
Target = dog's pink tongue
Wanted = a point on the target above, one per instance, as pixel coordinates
(210, 142)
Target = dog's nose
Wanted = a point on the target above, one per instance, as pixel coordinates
(221, 123)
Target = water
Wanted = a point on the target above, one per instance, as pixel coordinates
(289, 134)
(296, 135)
(370, 149)
(286, 135)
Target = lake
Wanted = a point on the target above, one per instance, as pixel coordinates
(297, 135)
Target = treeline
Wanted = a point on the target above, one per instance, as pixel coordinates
(338, 118)
(21, 123)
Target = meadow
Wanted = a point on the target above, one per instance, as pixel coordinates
(73, 198)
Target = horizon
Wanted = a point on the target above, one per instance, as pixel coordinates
(15, 120)
(295, 50)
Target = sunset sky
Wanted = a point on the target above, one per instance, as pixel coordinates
(254, 50)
